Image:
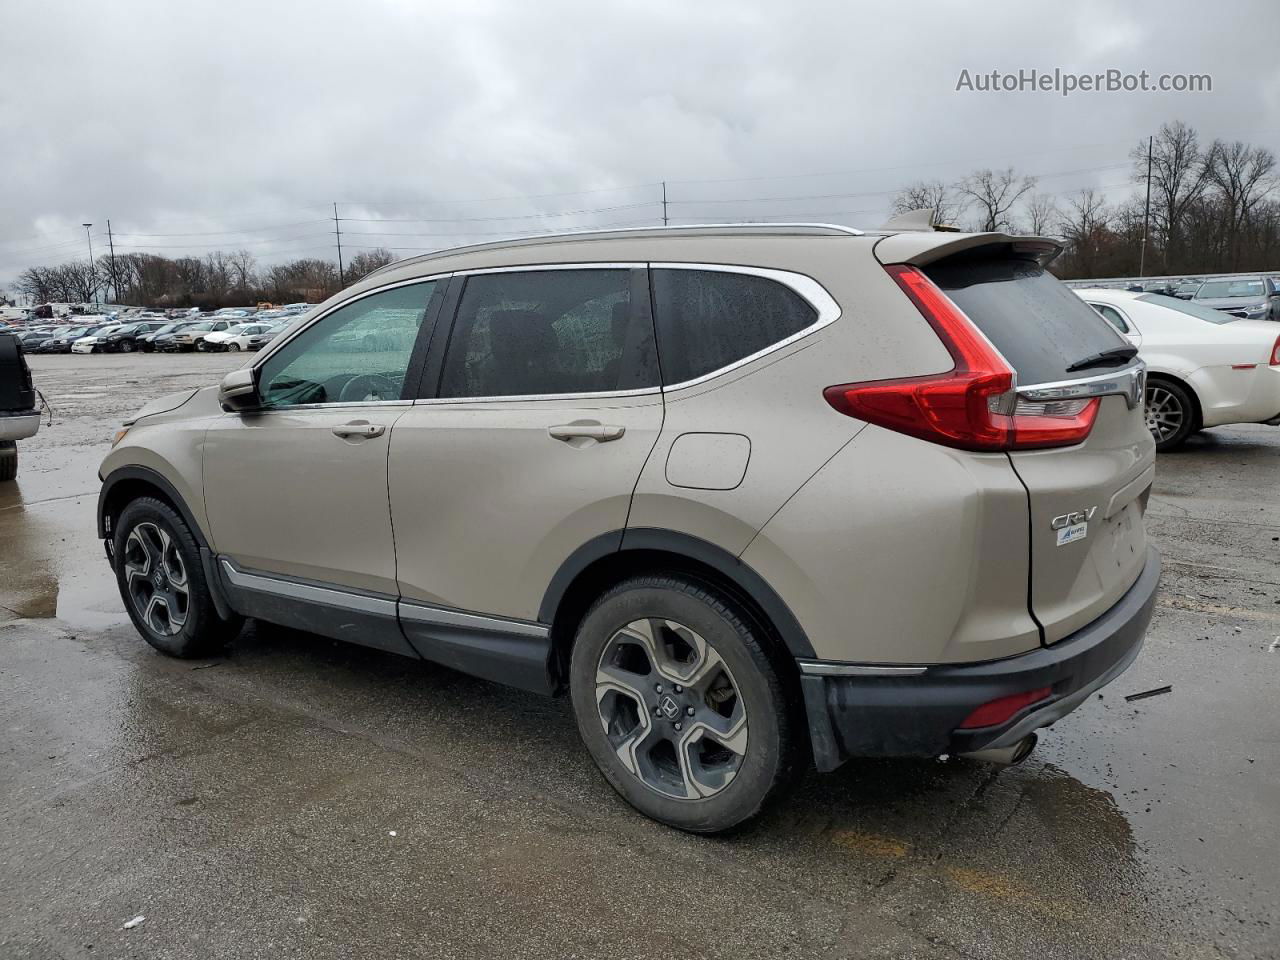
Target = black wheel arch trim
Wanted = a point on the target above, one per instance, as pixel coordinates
(722, 561)
(156, 479)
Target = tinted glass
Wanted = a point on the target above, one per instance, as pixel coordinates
(708, 319)
(1112, 316)
(1037, 323)
(358, 353)
(1190, 308)
(548, 332)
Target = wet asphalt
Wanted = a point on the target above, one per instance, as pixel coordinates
(303, 798)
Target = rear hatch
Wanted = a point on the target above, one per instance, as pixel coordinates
(1088, 545)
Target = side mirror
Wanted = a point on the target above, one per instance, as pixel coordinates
(238, 391)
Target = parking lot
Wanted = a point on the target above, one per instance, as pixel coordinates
(302, 796)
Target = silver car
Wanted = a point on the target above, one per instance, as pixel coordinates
(757, 498)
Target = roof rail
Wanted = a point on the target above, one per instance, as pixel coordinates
(695, 229)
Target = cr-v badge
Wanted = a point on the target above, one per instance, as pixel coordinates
(1072, 526)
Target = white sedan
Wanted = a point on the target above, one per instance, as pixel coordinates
(1205, 368)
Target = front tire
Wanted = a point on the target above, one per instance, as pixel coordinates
(162, 582)
(1170, 414)
(233, 347)
(679, 704)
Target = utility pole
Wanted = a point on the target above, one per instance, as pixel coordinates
(664, 203)
(1146, 216)
(111, 243)
(337, 232)
(89, 237)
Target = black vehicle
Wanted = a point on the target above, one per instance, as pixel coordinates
(125, 339)
(61, 343)
(31, 339)
(148, 342)
(19, 415)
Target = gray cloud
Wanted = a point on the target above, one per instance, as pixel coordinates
(184, 122)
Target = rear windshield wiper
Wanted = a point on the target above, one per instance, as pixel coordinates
(1107, 358)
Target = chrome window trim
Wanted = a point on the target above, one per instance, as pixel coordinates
(307, 593)
(525, 397)
(426, 613)
(352, 405)
(825, 668)
(1128, 383)
(807, 288)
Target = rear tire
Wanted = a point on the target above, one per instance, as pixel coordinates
(1170, 414)
(704, 755)
(163, 585)
(8, 460)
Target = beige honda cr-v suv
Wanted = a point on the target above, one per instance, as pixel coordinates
(756, 497)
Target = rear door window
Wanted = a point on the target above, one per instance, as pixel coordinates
(548, 332)
(1036, 322)
(1112, 316)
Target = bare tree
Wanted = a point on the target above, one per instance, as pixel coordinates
(1242, 175)
(1042, 214)
(994, 193)
(367, 261)
(933, 195)
(1179, 176)
(1085, 225)
(244, 269)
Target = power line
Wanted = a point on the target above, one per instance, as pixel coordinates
(518, 216)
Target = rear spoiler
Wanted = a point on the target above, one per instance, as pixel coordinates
(919, 248)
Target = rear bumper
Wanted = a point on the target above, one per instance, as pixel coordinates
(19, 425)
(856, 710)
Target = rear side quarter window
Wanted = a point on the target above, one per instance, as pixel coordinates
(710, 319)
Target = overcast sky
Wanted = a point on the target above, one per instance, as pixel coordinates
(198, 125)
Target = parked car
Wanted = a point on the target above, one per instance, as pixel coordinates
(1250, 298)
(251, 336)
(62, 342)
(32, 338)
(122, 338)
(87, 343)
(842, 518)
(1205, 368)
(189, 336)
(1186, 289)
(19, 413)
(147, 342)
(217, 341)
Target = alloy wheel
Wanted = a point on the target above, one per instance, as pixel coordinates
(1164, 413)
(671, 709)
(156, 579)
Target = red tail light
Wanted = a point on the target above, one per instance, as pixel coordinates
(972, 406)
(998, 711)
(1275, 354)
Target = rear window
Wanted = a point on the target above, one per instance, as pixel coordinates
(1190, 309)
(1036, 322)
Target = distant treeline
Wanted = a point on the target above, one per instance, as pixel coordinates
(1215, 208)
(217, 279)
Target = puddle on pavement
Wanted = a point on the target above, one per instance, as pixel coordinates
(51, 561)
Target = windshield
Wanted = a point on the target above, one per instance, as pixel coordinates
(1190, 308)
(1215, 289)
(202, 325)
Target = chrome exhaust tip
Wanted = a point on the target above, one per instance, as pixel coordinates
(1006, 756)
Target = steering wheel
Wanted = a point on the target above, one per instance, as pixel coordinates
(369, 386)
